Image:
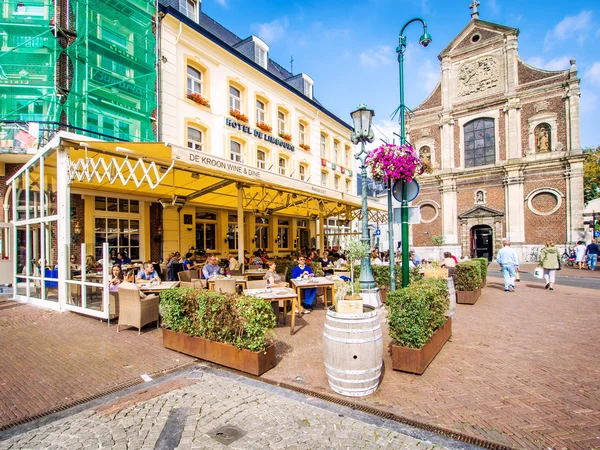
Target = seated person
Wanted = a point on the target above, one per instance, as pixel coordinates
(272, 277)
(91, 264)
(309, 293)
(257, 261)
(327, 264)
(117, 278)
(122, 259)
(188, 262)
(448, 262)
(211, 268)
(375, 261)
(414, 259)
(341, 261)
(128, 278)
(148, 273)
(232, 263)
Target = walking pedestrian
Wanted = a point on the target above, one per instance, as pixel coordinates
(592, 253)
(550, 262)
(509, 262)
(580, 254)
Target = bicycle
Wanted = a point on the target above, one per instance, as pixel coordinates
(534, 256)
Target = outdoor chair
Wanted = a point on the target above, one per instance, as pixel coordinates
(254, 266)
(196, 284)
(113, 298)
(226, 286)
(256, 284)
(135, 311)
(188, 275)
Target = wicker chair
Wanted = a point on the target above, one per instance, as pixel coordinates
(226, 286)
(254, 266)
(256, 284)
(196, 284)
(135, 311)
(188, 275)
(114, 304)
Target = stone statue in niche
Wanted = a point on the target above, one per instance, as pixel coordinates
(425, 155)
(542, 138)
(478, 76)
(479, 197)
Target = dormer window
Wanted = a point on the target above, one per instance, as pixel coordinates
(307, 85)
(189, 8)
(261, 52)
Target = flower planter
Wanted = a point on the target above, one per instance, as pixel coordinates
(415, 360)
(255, 363)
(383, 295)
(468, 297)
(483, 282)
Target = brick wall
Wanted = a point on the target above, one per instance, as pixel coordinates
(9, 171)
(485, 34)
(555, 105)
(435, 99)
(422, 232)
(528, 74)
(539, 228)
(77, 215)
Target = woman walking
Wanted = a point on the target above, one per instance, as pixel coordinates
(550, 261)
(580, 254)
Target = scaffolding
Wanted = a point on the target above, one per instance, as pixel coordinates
(82, 64)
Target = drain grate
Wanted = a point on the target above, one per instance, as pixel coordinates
(227, 434)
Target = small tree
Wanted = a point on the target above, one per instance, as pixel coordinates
(356, 249)
(438, 240)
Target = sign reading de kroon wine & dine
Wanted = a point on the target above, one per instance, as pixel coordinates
(259, 134)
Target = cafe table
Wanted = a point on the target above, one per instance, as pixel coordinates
(255, 274)
(240, 281)
(156, 288)
(277, 293)
(307, 283)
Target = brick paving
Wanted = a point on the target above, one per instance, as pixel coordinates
(51, 359)
(188, 413)
(521, 369)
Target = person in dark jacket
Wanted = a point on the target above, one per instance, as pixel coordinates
(592, 254)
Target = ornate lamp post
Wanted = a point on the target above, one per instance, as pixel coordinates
(425, 40)
(362, 118)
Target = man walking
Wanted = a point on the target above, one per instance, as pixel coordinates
(507, 258)
(592, 253)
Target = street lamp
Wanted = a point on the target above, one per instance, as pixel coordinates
(362, 133)
(425, 40)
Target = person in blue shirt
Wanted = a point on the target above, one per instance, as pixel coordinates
(309, 293)
(188, 262)
(507, 258)
(148, 273)
(211, 269)
(122, 259)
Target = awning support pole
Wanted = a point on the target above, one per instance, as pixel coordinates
(240, 221)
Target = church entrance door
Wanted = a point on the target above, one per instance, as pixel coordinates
(483, 241)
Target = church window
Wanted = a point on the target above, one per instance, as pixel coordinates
(480, 143)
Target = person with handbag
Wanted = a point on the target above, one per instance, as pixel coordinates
(550, 262)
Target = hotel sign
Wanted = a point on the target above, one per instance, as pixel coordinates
(259, 134)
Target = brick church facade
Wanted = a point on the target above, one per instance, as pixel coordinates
(503, 141)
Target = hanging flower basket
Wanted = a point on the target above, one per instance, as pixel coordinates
(198, 99)
(238, 115)
(263, 126)
(394, 162)
(285, 136)
(305, 147)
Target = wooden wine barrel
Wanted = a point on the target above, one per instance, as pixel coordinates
(353, 351)
(452, 294)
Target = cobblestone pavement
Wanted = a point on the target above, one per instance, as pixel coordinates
(192, 416)
(520, 369)
(50, 359)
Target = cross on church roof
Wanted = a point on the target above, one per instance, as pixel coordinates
(473, 6)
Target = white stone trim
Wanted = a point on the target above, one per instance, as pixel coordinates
(435, 205)
(557, 194)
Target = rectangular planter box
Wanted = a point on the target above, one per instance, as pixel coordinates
(483, 282)
(255, 363)
(468, 297)
(415, 360)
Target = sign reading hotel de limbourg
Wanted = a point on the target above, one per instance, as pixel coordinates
(259, 134)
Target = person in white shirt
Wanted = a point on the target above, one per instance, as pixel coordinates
(375, 260)
(507, 258)
(233, 264)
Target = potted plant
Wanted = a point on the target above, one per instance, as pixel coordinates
(195, 97)
(305, 147)
(355, 249)
(468, 282)
(285, 136)
(381, 275)
(238, 115)
(417, 324)
(263, 126)
(483, 268)
(231, 330)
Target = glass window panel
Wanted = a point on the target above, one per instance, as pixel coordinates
(100, 224)
(123, 205)
(113, 240)
(123, 225)
(211, 236)
(469, 127)
(134, 226)
(111, 204)
(134, 206)
(100, 238)
(478, 134)
(134, 241)
(124, 241)
(100, 204)
(283, 222)
(111, 225)
(135, 253)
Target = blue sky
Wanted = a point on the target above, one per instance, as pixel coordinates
(348, 48)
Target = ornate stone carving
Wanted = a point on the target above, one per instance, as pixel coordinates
(478, 76)
(540, 106)
(480, 197)
(425, 132)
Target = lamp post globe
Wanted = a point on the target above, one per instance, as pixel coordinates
(362, 133)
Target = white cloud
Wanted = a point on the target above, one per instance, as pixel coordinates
(578, 27)
(592, 75)
(271, 32)
(222, 3)
(429, 76)
(384, 131)
(589, 102)
(558, 63)
(378, 56)
(494, 6)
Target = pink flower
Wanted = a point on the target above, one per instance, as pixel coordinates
(394, 162)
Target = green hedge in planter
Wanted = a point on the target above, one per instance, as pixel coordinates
(239, 320)
(381, 275)
(483, 265)
(417, 311)
(467, 275)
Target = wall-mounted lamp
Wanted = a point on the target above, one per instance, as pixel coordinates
(159, 234)
(76, 232)
(255, 238)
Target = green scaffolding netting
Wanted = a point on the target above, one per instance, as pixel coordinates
(94, 71)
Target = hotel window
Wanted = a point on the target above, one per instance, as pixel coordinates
(260, 56)
(282, 163)
(189, 8)
(347, 157)
(348, 185)
(336, 146)
(480, 143)
(235, 151)
(235, 99)
(308, 89)
(206, 231)
(302, 170)
(283, 233)
(194, 81)
(195, 139)
(301, 133)
(324, 179)
(323, 146)
(336, 183)
(261, 159)
(261, 111)
(117, 222)
(281, 119)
